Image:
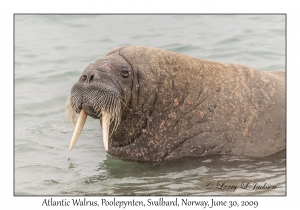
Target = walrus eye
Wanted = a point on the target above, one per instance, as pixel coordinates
(125, 73)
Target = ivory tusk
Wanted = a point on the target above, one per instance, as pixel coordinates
(79, 125)
(105, 129)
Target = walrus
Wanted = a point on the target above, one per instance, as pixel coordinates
(156, 105)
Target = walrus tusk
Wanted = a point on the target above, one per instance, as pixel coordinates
(105, 129)
(79, 125)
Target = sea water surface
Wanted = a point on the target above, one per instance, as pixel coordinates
(51, 51)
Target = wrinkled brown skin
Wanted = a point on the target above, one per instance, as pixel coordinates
(179, 106)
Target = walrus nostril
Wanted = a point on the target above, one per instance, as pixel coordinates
(90, 78)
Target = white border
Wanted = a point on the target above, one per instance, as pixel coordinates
(8, 8)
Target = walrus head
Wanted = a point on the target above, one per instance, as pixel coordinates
(100, 93)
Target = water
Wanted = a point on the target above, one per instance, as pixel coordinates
(51, 51)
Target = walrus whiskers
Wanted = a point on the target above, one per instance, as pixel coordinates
(107, 108)
(70, 112)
